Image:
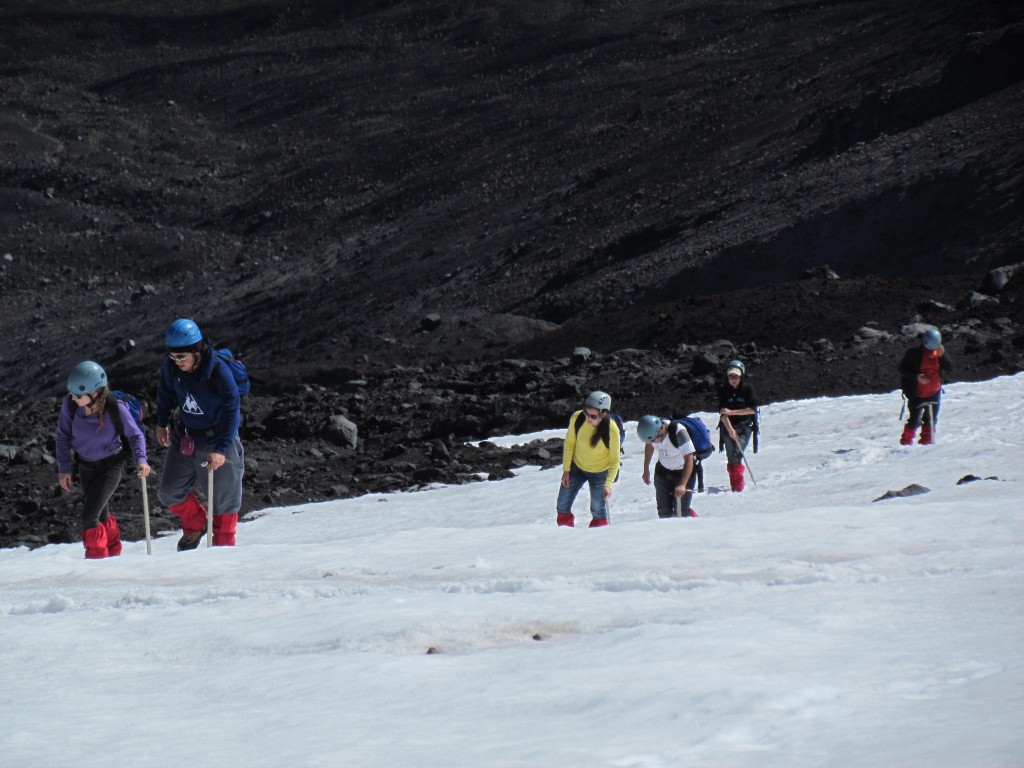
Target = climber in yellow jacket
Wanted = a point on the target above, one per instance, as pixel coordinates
(590, 455)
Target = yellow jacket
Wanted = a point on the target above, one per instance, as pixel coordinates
(591, 458)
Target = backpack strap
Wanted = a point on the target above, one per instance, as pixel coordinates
(673, 433)
(578, 424)
(115, 414)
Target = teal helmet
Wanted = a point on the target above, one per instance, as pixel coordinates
(931, 339)
(647, 428)
(86, 377)
(600, 400)
(182, 334)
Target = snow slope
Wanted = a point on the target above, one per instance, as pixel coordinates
(800, 623)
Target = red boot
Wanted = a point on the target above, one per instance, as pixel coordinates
(926, 435)
(566, 519)
(193, 522)
(598, 522)
(192, 514)
(735, 476)
(95, 541)
(908, 435)
(224, 530)
(114, 545)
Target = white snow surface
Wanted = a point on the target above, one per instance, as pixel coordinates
(800, 623)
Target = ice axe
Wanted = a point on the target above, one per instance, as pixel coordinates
(145, 515)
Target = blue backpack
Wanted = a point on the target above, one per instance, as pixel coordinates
(237, 368)
(699, 434)
(135, 408)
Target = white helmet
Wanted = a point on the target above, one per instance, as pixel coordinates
(600, 400)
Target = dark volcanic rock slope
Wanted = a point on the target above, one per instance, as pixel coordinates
(411, 214)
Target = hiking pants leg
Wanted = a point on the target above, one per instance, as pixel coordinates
(567, 494)
(181, 474)
(598, 504)
(99, 481)
(732, 453)
(665, 483)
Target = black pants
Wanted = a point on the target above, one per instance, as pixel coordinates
(665, 483)
(923, 410)
(99, 480)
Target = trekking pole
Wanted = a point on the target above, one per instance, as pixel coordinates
(679, 507)
(747, 465)
(931, 420)
(209, 508)
(608, 509)
(145, 515)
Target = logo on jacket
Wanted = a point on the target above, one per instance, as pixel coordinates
(191, 406)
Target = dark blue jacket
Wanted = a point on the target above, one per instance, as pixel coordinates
(208, 399)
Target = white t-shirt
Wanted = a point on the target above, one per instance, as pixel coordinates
(669, 456)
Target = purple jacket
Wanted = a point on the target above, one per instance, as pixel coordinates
(92, 439)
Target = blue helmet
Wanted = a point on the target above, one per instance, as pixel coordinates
(647, 428)
(931, 339)
(182, 333)
(737, 364)
(86, 377)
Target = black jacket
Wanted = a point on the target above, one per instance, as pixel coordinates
(736, 399)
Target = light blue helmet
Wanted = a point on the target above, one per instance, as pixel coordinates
(647, 428)
(182, 333)
(931, 339)
(86, 377)
(600, 400)
(737, 364)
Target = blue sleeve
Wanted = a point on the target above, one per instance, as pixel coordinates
(166, 397)
(231, 402)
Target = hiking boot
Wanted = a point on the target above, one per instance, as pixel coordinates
(598, 522)
(566, 519)
(189, 540)
(691, 513)
(907, 438)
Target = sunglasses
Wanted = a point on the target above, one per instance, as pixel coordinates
(734, 376)
(593, 416)
(182, 358)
